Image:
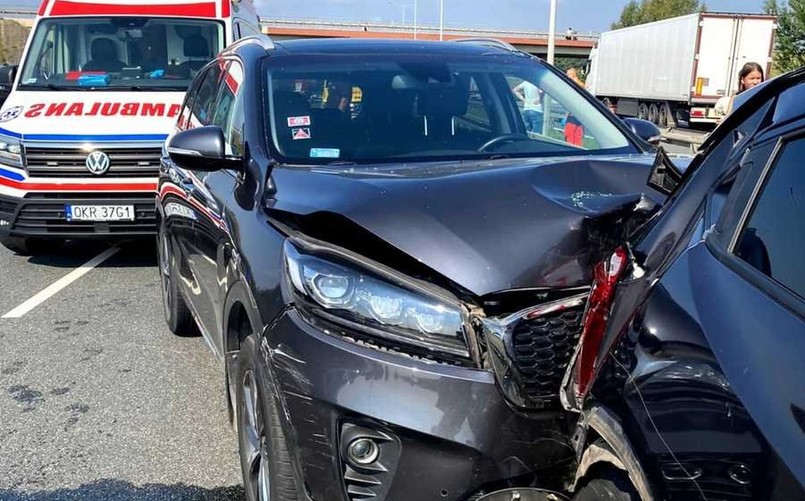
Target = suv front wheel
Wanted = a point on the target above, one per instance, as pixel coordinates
(264, 458)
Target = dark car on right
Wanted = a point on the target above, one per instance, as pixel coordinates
(690, 373)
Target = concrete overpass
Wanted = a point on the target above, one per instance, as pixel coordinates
(533, 42)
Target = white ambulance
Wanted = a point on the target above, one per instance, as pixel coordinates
(97, 91)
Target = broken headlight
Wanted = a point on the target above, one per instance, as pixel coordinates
(391, 309)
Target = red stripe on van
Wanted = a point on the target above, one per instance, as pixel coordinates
(67, 8)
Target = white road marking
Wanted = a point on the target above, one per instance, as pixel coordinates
(60, 284)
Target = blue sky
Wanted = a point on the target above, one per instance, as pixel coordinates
(581, 15)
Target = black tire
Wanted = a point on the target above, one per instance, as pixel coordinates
(642, 111)
(261, 421)
(608, 486)
(28, 246)
(667, 117)
(654, 114)
(177, 314)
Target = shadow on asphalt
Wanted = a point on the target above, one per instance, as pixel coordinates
(133, 254)
(117, 490)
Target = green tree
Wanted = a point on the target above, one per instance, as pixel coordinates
(789, 48)
(647, 11)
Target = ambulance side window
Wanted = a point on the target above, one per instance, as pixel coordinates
(204, 102)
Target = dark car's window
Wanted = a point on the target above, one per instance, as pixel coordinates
(189, 100)
(791, 104)
(204, 102)
(414, 107)
(773, 238)
(229, 111)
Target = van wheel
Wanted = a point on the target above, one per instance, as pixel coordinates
(27, 246)
(609, 486)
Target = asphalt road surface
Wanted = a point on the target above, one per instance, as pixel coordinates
(98, 400)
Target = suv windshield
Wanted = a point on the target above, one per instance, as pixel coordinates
(374, 108)
(119, 53)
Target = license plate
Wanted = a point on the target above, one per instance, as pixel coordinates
(99, 212)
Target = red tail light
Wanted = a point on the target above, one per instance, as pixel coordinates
(605, 278)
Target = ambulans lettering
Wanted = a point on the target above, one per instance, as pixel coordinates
(34, 111)
(102, 109)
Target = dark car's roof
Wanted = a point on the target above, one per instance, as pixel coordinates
(374, 46)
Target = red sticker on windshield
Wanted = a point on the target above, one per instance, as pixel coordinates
(298, 121)
(301, 134)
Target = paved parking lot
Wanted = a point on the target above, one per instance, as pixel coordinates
(98, 401)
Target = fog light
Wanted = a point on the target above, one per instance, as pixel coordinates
(363, 451)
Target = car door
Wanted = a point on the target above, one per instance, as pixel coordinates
(196, 205)
(177, 209)
(212, 233)
(753, 299)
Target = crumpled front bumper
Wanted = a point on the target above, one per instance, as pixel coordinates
(444, 432)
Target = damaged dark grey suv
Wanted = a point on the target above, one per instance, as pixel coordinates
(391, 267)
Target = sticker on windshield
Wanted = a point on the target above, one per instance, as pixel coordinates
(298, 121)
(10, 114)
(325, 153)
(300, 134)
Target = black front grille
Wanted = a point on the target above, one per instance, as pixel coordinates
(45, 215)
(543, 347)
(71, 162)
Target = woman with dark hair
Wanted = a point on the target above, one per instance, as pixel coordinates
(750, 76)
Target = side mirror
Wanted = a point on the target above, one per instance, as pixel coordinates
(665, 176)
(645, 130)
(7, 75)
(201, 149)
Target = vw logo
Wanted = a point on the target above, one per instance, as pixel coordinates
(97, 162)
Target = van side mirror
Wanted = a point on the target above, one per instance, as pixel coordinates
(7, 75)
(202, 149)
(645, 130)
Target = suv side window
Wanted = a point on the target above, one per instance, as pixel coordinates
(774, 234)
(187, 106)
(228, 113)
(204, 102)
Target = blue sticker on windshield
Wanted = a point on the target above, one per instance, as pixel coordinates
(325, 153)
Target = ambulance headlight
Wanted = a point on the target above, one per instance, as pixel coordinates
(10, 151)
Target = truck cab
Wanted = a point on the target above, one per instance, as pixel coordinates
(97, 91)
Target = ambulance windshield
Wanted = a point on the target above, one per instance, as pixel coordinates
(119, 53)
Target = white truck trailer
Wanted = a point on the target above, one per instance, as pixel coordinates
(677, 69)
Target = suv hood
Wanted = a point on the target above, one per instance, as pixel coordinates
(89, 115)
(487, 226)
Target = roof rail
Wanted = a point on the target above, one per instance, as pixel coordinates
(262, 40)
(491, 42)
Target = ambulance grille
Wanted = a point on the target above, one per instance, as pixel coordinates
(71, 162)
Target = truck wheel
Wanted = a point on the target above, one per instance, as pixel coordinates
(610, 486)
(642, 111)
(268, 473)
(26, 246)
(654, 114)
(667, 118)
(177, 314)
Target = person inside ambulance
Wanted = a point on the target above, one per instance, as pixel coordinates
(103, 52)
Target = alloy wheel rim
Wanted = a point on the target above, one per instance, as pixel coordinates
(166, 274)
(254, 450)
